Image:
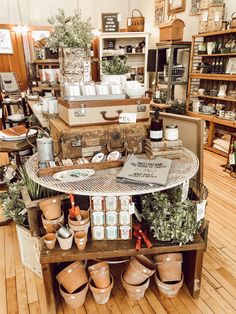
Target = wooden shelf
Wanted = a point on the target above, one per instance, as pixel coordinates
(216, 97)
(230, 31)
(212, 118)
(45, 87)
(215, 77)
(230, 54)
(172, 83)
(225, 122)
(45, 61)
(200, 116)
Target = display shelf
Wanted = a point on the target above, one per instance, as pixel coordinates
(219, 33)
(230, 54)
(216, 77)
(172, 83)
(200, 116)
(216, 97)
(45, 61)
(213, 119)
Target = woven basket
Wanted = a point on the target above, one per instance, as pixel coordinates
(135, 23)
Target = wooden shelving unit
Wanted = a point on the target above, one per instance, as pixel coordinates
(209, 81)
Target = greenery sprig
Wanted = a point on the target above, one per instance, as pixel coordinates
(115, 66)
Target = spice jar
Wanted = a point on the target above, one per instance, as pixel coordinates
(111, 203)
(98, 218)
(97, 203)
(124, 202)
(125, 232)
(124, 217)
(111, 232)
(98, 233)
(171, 132)
(111, 218)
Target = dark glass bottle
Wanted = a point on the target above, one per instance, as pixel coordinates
(156, 127)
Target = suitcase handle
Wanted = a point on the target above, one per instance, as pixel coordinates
(103, 113)
(119, 149)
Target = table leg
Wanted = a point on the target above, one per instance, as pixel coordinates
(192, 268)
(49, 289)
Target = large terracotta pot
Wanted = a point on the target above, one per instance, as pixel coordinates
(73, 276)
(100, 274)
(169, 290)
(65, 243)
(101, 296)
(51, 208)
(139, 269)
(169, 266)
(53, 225)
(50, 240)
(135, 292)
(75, 299)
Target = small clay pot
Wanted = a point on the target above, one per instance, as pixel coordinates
(169, 266)
(53, 225)
(65, 243)
(139, 269)
(135, 292)
(50, 240)
(100, 274)
(75, 299)
(85, 214)
(101, 296)
(73, 276)
(51, 208)
(170, 289)
(79, 227)
(80, 240)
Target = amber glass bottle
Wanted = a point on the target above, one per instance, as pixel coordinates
(156, 127)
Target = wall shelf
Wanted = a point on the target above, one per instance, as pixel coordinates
(216, 77)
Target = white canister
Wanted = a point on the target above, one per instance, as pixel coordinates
(124, 202)
(111, 232)
(111, 203)
(111, 218)
(196, 105)
(98, 233)
(172, 132)
(124, 217)
(97, 202)
(98, 218)
(125, 232)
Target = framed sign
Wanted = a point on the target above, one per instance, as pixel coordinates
(195, 7)
(5, 42)
(176, 6)
(159, 11)
(110, 22)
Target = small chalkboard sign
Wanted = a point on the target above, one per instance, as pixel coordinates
(110, 22)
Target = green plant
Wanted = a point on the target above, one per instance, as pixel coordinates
(177, 107)
(69, 32)
(115, 66)
(169, 218)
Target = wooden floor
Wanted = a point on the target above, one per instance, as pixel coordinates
(23, 292)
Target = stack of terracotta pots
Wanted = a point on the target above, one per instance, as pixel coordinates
(169, 277)
(80, 225)
(52, 214)
(73, 284)
(136, 278)
(100, 282)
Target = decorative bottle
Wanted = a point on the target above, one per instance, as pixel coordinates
(156, 127)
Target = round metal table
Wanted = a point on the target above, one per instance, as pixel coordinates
(104, 183)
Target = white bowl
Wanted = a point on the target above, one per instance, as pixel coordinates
(16, 117)
(135, 92)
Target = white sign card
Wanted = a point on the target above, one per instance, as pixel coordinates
(5, 42)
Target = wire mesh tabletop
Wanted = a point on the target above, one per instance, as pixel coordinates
(104, 182)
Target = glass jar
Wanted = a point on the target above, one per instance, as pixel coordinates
(172, 132)
(111, 218)
(98, 218)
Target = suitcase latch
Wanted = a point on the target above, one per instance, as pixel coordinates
(80, 112)
(77, 142)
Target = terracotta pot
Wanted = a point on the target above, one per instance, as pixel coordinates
(169, 290)
(53, 225)
(100, 274)
(80, 239)
(85, 214)
(65, 243)
(75, 299)
(79, 227)
(73, 276)
(135, 292)
(50, 240)
(101, 296)
(169, 266)
(51, 208)
(139, 269)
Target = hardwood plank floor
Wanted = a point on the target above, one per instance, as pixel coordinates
(23, 292)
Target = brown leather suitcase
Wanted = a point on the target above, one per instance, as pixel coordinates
(85, 141)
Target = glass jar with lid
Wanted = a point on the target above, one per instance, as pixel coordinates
(171, 132)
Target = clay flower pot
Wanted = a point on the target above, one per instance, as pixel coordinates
(101, 296)
(100, 274)
(75, 299)
(73, 276)
(169, 266)
(139, 269)
(53, 225)
(65, 243)
(169, 290)
(76, 225)
(51, 208)
(50, 240)
(85, 214)
(135, 292)
(80, 239)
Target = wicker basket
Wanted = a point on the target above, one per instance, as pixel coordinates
(135, 23)
(172, 30)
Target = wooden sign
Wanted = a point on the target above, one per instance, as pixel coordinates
(110, 22)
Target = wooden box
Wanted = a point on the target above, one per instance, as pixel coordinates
(92, 112)
(75, 142)
(172, 30)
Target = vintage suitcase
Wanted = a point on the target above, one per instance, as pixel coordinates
(85, 141)
(92, 112)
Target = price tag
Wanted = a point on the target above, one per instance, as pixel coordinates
(131, 208)
(127, 117)
(119, 17)
(201, 210)
(185, 190)
(205, 16)
(217, 16)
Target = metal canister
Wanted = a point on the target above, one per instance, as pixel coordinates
(45, 149)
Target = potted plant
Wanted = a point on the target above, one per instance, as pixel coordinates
(72, 37)
(114, 70)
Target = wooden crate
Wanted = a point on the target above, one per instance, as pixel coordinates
(172, 30)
